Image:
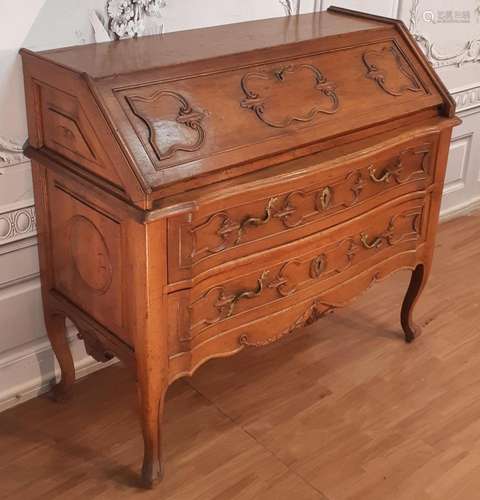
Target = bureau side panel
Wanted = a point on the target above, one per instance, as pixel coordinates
(86, 256)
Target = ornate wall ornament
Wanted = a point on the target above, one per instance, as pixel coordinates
(11, 153)
(17, 224)
(258, 103)
(127, 18)
(470, 53)
(166, 136)
(292, 7)
(467, 99)
(376, 73)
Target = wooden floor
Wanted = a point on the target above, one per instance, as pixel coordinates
(343, 410)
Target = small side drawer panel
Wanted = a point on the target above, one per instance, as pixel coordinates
(273, 280)
(68, 131)
(286, 211)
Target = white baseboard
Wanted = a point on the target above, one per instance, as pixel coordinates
(461, 209)
(35, 369)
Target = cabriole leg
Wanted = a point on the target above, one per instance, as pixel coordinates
(417, 284)
(57, 333)
(151, 396)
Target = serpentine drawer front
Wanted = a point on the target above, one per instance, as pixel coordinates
(209, 191)
(227, 228)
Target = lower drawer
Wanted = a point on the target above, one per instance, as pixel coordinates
(281, 323)
(259, 285)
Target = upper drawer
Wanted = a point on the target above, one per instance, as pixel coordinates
(289, 208)
(190, 126)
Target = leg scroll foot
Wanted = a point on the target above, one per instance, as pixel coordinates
(417, 284)
(151, 399)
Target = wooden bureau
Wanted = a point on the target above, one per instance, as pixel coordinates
(208, 191)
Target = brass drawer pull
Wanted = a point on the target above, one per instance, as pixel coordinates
(387, 175)
(225, 304)
(376, 243)
(257, 221)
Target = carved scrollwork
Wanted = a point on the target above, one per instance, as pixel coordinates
(95, 347)
(395, 172)
(281, 282)
(298, 207)
(300, 273)
(378, 75)
(314, 312)
(167, 137)
(258, 103)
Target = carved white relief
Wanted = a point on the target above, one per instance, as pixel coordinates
(292, 7)
(129, 18)
(11, 153)
(469, 53)
(17, 224)
(467, 99)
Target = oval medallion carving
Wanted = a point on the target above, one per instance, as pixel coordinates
(90, 254)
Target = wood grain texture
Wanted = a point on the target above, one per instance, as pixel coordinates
(343, 410)
(214, 206)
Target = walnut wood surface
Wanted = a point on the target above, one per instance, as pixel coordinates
(217, 204)
(343, 410)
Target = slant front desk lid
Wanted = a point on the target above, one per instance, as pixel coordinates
(193, 107)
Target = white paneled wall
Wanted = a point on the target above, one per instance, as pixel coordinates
(26, 361)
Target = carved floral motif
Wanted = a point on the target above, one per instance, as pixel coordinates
(314, 312)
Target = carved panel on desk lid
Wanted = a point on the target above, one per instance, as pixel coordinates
(270, 94)
(172, 122)
(389, 68)
(91, 261)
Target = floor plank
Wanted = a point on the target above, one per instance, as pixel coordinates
(343, 410)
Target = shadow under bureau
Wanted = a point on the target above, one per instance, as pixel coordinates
(208, 191)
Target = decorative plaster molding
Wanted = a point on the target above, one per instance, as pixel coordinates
(11, 153)
(467, 98)
(470, 53)
(17, 224)
(129, 18)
